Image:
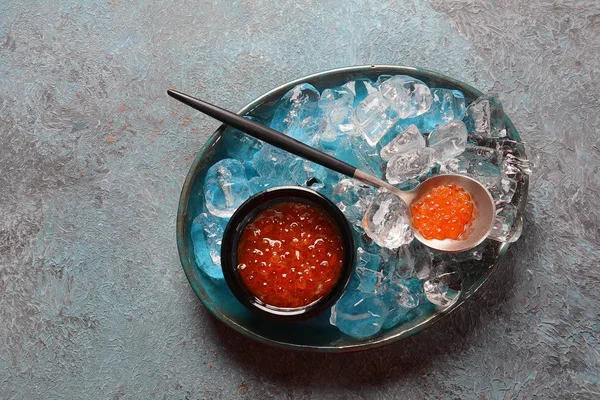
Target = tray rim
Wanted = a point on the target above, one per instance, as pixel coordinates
(247, 109)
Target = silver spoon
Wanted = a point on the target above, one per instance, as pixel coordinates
(484, 204)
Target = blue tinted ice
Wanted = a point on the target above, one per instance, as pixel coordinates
(296, 105)
(337, 107)
(414, 260)
(447, 105)
(409, 96)
(272, 163)
(399, 300)
(374, 117)
(259, 184)
(370, 281)
(356, 152)
(239, 145)
(207, 233)
(225, 187)
(358, 314)
(369, 272)
(307, 131)
(303, 172)
(367, 260)
(300, 171)
(360, 88)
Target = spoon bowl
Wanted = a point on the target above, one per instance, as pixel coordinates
(482, 224)
(485, 208)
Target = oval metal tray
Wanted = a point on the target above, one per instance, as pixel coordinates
(317, 334)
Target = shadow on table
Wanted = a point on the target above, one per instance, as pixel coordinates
(448, 340)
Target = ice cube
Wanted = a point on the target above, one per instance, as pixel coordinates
(485, 117)
(368, 271)
(409, 139)
(474, 254)
(399, 127)
(356, 152)
(373, 118)
(388, 257)
(367, 260)
(381, 79)
(514, 165)
(387, 221)
(502, 188)
(361, 239)
(337, 108)
(259, 184)
(338, 97)
(358, 314)
(341, 120)
(240, 145)
(305, 173)
(508, 224)
(272, 163)
(360, 88)
(519, 158)
(410, 97)
(414, 259)
(302, 171)
(307, 131)
(444, 285)
(482, 161)
(325, 181)
(207, 234)
(330, 140)
(447, 105)
(449, 140)
(455, 166)
(369, 281)
(352, 198)
(399, 300)
(297, 104)
(316, 184)
(298, 171)
(368, 157)
(408, 165)
(225, 187)
(404, 296)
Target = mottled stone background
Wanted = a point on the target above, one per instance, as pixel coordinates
(93, 300)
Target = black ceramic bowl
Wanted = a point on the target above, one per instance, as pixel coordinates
(251, 208)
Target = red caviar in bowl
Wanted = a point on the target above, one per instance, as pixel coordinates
(444, 212)
(290, 255)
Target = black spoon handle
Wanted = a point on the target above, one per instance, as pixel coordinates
(265, 134)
